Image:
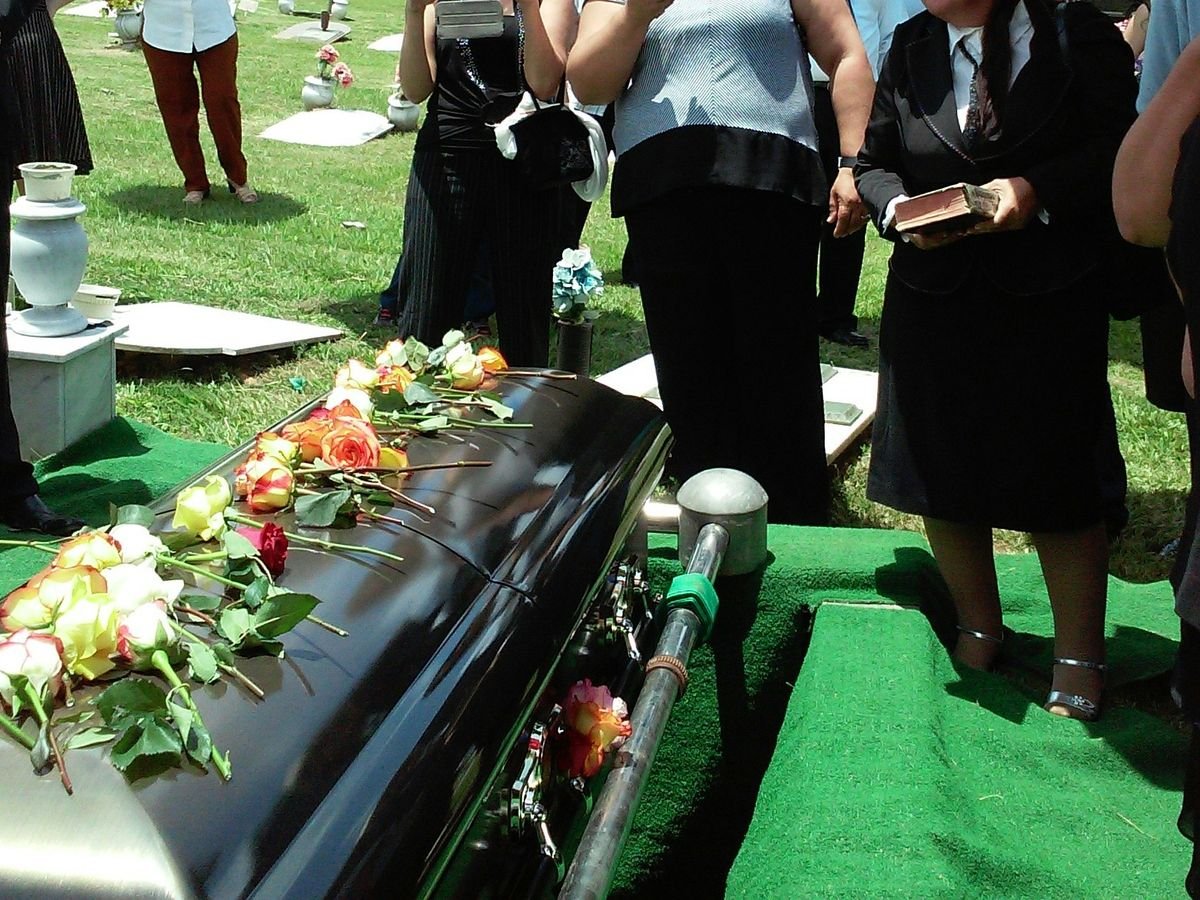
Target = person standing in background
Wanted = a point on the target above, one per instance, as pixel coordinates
(841, 257)
(50, 122)
(179, 37)
(20, 506)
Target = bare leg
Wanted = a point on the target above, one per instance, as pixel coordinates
(1075, 566)
(964, 556)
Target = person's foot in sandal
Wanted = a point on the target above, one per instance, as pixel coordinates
(195, 198)
(244, 193)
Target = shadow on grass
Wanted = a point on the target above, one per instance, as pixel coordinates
(167, 203)
(202, 369)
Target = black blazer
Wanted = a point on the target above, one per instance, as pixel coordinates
(1061, 131)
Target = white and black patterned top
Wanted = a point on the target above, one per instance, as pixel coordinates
(720, 94)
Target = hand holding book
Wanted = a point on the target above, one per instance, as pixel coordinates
(949, 214)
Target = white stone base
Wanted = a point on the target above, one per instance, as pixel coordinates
(638, 379)
(63, 388)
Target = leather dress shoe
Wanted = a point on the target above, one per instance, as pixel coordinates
(848, 337)
(32, 514)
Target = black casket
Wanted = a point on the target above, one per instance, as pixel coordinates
(409, 758)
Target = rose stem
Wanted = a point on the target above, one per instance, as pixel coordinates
(40, 712)
(15, 731)
(168, 560)
(159, 660)
(377, 485)
(320, 542)
(205, 557)
(36, 545)
(224, 667)
(403, 470)
(327, 626)
(203, 617)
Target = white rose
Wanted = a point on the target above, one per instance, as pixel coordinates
(360, 398)
(356, 374)
(136, 542)
(452, 338)
(457, 352)
(132, 586)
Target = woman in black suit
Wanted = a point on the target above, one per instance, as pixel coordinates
(993, 401)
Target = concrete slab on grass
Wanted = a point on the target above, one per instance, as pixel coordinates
(329, 128)
(314, 33)
(638, 379)
(93, 9)
(188, 329)
(388, 44)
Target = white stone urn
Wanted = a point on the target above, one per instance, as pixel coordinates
(49, 255)
(287, 7)
(317, 93)
(128, 26)
(402, 112)
(338, 8)
(47, 181)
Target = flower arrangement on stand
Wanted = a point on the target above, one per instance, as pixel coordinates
(576, 282)
(318, 90)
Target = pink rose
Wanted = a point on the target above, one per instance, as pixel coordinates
(36, 656)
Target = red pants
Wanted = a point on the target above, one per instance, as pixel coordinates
(179, 102)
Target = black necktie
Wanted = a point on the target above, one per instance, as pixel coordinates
(979, 108)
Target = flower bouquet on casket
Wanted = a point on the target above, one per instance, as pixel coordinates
(118, 601)
(128, 610)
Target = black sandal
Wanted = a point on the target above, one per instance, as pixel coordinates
(1088, 711)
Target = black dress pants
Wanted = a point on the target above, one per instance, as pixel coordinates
(841, 258)
(727, 280)
(16, 475)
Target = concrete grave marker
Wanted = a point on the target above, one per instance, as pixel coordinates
(391, 43)
(329, 128)
(850, 395)
(313, 32)
(188, 329)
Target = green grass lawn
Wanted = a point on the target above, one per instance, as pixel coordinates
(290, 256)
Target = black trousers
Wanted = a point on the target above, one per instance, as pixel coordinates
(727, 281)
(16, 475)
(455, 201)
(841, 258)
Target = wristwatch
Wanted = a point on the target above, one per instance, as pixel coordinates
(847, 162)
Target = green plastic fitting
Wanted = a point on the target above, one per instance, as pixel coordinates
(692, 591)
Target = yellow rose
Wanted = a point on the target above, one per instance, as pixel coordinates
(356, 374)
(88, 631)
(391, 458)
(92, 548)
(393, 354)
(199, 509)
(34, 605)
(278, 448)
(467, 372)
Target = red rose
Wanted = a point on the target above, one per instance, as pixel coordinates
(271, 544)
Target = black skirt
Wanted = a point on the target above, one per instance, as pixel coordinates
(50, 119)
(993, 408)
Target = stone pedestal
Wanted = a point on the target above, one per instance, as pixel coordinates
(63, 388)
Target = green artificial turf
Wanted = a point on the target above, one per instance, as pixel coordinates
(123, 462)
(896, 775)
(855, 721)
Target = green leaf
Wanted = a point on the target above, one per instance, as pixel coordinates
(497, 409)
(417, 353)
(416, 394)
(134, 698)
(90, 737)
(433, 423)
(223, 652)
(237, 546)
(244, 570)
(392, 401)
(281, 613)
(380, 498)
(202, 662)
(235, 623)
(195, 737)
(135, 514)
(200, 602)
(42, 755)
(257, 592)
(321, 510)
(144, 740)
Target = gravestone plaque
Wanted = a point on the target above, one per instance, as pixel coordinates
(314, 33)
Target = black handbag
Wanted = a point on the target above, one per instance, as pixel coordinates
(553, 147)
